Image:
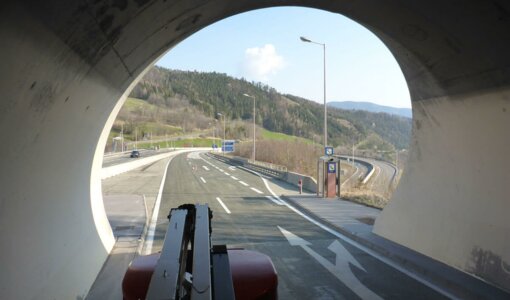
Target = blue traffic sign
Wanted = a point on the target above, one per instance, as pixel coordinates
(332, 167)
(328, 151)
(228, 146)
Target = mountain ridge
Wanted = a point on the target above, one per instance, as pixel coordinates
(192, 100)
(372, 107)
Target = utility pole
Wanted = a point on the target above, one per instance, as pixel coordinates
(254, 128)
(121, 137)
(325, 106)
(224, 132)
(353, 155)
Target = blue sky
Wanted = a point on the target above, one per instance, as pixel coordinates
(263, 45)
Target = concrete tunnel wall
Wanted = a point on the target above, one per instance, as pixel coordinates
(66, 64)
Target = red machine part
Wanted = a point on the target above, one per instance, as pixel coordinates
(253, 275)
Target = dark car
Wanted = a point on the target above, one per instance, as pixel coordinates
(135, 154)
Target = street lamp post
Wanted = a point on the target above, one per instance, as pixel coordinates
(353, 155)
(254, 128)
(325, 107)
(224, 126)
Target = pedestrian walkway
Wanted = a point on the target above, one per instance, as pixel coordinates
(127, 217)
(356, 222)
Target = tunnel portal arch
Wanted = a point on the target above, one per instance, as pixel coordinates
(66, 64)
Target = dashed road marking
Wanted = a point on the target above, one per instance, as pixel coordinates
(244, 183)
(223, 204)
(255, 190)
(205, 168)
(227, 174)
(234, 178)
(203, 180)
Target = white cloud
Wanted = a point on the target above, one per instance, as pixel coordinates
(261, 62)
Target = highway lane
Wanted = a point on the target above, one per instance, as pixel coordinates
(116, 159)
(383, 176)
(353, 179)
(380, 181)
(316, 266)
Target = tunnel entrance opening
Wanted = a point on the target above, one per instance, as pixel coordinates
(65, 68)
(219, 66)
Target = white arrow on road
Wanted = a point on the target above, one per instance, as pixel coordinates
(340, 269)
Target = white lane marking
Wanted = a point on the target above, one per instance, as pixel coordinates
(205, 168)
(223, 204)
(234, 178)
(274, 200)
(341, 269)
(226, 173)
(244, 183)
(220, 170)
(154, 219)
(355, 244)
(203, 180)
(232, 168)
(255, 190)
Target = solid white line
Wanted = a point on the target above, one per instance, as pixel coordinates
(223, 204)
(233, 178)
(205, 168)
(154, 219)
(355, 244)
(274, 200)
(203, 180)
(227, 174)
(244, 183)
(255, 190)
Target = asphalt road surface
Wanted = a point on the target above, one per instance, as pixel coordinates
(116, 159)
(383, 176)
(353, 178)
(311, 263)
(381, 180)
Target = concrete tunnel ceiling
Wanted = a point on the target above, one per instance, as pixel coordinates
(66, 64)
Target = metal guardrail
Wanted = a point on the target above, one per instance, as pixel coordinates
(308, 183)
(255, 167)
(271, 166)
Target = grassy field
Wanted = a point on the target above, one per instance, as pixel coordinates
(270, 135)
(133, 104)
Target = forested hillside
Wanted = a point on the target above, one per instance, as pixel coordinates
(191, 100)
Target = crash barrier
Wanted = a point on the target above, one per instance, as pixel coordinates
(279, 172)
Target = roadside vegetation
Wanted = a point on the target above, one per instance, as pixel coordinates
(170, 108)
